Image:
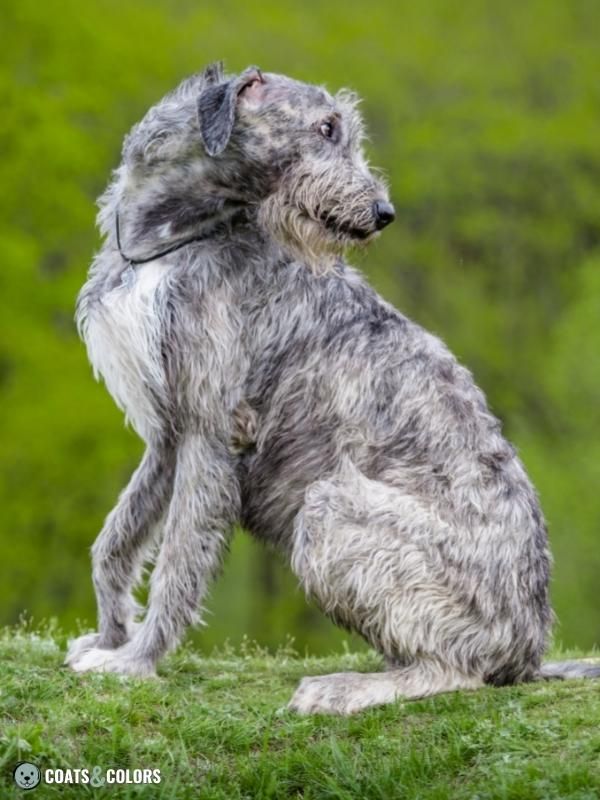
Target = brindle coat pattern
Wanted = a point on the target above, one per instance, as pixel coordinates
(274, 387)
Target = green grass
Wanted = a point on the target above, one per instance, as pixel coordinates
(216, 728)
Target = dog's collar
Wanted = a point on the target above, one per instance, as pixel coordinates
(132, 262)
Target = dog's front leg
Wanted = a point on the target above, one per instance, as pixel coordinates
(118, 553)
(203, 508)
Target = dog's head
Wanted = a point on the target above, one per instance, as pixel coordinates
(288, 153)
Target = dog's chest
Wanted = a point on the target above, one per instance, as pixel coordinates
(124, 336)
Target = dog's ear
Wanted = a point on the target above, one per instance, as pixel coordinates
(213, 73)
(218, 100)
(216, 115)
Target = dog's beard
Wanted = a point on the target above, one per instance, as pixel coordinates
(319, 242)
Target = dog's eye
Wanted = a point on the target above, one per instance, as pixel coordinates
(327, 128)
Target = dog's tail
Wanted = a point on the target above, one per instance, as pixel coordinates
(569, 669)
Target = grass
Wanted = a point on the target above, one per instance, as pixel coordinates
(216, 728)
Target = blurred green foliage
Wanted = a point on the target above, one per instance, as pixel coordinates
(486, 118)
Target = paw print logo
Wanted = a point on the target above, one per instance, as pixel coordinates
(27, 775)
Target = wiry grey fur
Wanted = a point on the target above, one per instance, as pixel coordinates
(272, 386)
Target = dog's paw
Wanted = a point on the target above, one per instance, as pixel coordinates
(79, 646)
(121, 661)
(341, 693)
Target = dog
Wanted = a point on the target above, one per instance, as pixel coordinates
(273, 387)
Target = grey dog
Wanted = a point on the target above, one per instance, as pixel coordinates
(220, 310)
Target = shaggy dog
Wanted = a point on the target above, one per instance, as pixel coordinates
(220, 310)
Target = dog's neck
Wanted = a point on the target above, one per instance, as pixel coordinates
(160, 212)
(149, 216)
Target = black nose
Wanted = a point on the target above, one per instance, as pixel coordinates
(384, 213)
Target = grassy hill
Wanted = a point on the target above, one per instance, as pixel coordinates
(217, 727)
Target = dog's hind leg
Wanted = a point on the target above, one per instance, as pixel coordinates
(119, 550)
(198, 524)
(349, 692)
(366, 552)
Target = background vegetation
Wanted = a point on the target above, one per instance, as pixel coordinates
(486, 117)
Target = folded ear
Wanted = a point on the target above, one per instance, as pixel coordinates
(216, 115)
